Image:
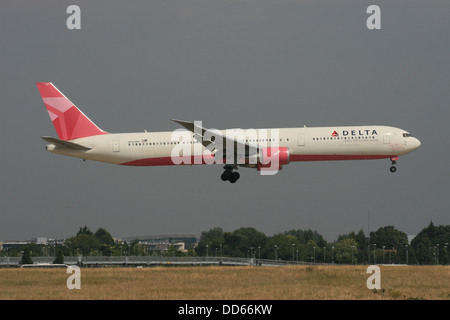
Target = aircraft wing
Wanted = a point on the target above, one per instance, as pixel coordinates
(217, 142)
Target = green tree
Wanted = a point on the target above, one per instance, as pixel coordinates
(282, 245)
(301, 245)
(360, 251)
(87, 242)
(26, 257)
(85, 230)
(362, 243)
(104, 237)
(311, 251)
(243, 242)
(59, 258)
(212, 238)
(430, 245)
(345, 250)
(83, 243)
(172, 251)
(214, 235)
(388, 239)
(303, 236)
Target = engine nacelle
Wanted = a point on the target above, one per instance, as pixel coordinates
(273, 159)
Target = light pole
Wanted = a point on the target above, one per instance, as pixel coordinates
(293, 245)
(374, 248)
(406, 246)
(332, 256)
(383, 253)
(352, 254)
(431, 252)
(437, 245)
(437, 255)
(276, 252)
(206, 251)
(314, 254)
(324, 253)
(446, 252)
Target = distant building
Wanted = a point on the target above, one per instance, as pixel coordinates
(40, 240)
(182, 242)
(6, 245)
(11, 244)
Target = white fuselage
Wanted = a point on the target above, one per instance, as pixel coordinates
(304, 144)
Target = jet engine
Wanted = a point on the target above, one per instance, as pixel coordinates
(273, 159)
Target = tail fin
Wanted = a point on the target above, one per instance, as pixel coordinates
(70, 123)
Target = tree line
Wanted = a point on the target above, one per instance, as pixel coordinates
(386, 245)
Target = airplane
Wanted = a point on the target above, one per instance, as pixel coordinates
(266, 150)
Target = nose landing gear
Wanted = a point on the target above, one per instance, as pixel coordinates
(229, 175)
(394, 162)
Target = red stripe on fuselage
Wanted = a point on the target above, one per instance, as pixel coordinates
(330, 157)
(167, 161)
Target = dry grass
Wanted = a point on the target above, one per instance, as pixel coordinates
(229, 283)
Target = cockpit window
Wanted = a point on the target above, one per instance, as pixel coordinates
(406, 135)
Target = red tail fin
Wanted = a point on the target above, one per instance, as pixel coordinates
(70, 123)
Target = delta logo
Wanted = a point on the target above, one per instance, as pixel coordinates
(355, 133)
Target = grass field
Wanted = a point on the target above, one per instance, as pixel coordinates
(229, 283)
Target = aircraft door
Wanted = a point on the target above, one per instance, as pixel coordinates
(301, 140)
(116, 145)
(387, 138)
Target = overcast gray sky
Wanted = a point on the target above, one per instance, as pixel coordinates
(232, 64)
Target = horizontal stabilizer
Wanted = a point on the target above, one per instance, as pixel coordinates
(65, 144)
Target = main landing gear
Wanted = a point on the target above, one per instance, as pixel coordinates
(394, 162)
(229, 175)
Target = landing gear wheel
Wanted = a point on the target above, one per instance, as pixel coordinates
(226, 175)
(234, 177)
(229, 175)
(394, 162)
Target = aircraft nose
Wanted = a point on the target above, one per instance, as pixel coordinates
(416, 143)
